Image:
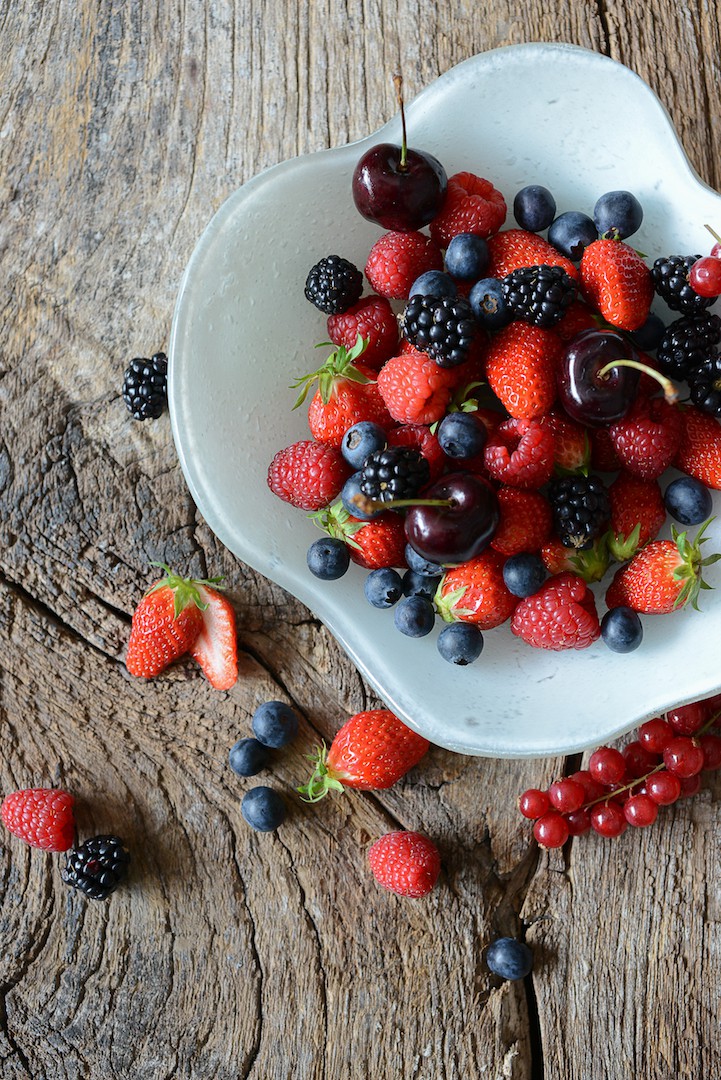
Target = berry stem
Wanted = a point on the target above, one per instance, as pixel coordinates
(398, 83)
(669, 390)
(713, 233)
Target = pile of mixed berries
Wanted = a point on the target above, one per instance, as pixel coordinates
(489, 431)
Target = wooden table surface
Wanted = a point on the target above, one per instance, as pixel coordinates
(123, 127)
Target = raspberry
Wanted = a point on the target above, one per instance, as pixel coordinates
(308, 474)
(397, 259)
(414, 388)
(372, 318)
(472, 205)
(520, 453)
(42, 817)
(525, 523)
(561, 615)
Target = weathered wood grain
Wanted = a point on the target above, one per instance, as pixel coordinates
(122, 128)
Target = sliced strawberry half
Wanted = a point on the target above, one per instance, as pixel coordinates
(216, 647)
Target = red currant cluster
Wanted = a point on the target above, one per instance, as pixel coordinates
(626, 787)
(705, 274)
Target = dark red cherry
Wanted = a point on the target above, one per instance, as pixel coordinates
(461, 527)
(396, 187)
(593, 398)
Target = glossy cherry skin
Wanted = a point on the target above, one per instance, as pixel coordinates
(586, 397)
(400, 198)
(455, 533)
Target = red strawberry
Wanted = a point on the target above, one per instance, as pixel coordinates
(471, 205)
(520, 369)
(308, 474)
(414, 388)
(699, 454)
(663, 576)
(421, 438)
(373, 318)
(215, 647)
(406, 863)
(516, 248)
(520, 453)
(397, 259)
(561, 615)
(371, 751)
(572, 446)
(590, 564)
(42, 817)
(371, 544)
(166, 623)
(637, 514)
(647, 438)
(617, 282)
(476, 592)
(525, 524)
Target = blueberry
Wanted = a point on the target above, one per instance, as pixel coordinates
(328, 558)
(361, 440)
(467, 257)
(509, 959)
(419, 584)
(688, 500)
(524, 574)
(414, 616)
(420, 565)
(649, 336)
(571, 232)
(617, 214)
(534, 208)
(263, 809)
(350, 489)
(489, 307)
(461, 435)
(460, 643)
(247, 757)
(621, 629)
(433, 283)
(383, 588)
(275, 724)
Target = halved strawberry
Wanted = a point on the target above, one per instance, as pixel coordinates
(166, 623)
(216, 648)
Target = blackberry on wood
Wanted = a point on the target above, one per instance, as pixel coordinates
(687, 344)
(540, 295)
(442, 326)
(334, 285)
(398, 472)
(97, 867)
(145, 386)
(670, 280)
(705, 385)
(581, 509)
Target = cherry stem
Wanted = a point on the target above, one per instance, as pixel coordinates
(372, 506)
(398, 83)
(656, 769)
(713, 233)
(669, 390)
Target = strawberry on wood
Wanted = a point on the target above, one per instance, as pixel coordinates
(216, 648)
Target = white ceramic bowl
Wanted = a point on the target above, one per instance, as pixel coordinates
(242, 328)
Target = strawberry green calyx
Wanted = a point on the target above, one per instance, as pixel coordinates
(446, 606)
(689, 570)
(185, 590)
(623, 548)
(323, 780)
(592, 563)
(339, 365)
(336, 522)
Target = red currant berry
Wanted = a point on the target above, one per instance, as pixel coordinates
(566, 795)
(607, 819)
(664, 788)
(690, 785)
(715, 251)
(711, 746)
(579, 822)
(639, 760)
(683, 756)
(655, 735)
(533, 803)
(687, 719)
(704, 277)
(591, 787)
(607, 766)
(551, 830)
(640, 810)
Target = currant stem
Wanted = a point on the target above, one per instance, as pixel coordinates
(669, 390)
(713, 233)
(398, 83)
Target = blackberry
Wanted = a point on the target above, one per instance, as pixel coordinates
(145, 386)
(581, 509)
(705, 385)
(539, 295)
(97, 867)
(670, 280)
(334, 285)
(398, 472)
(442, 326)
(687, 343)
